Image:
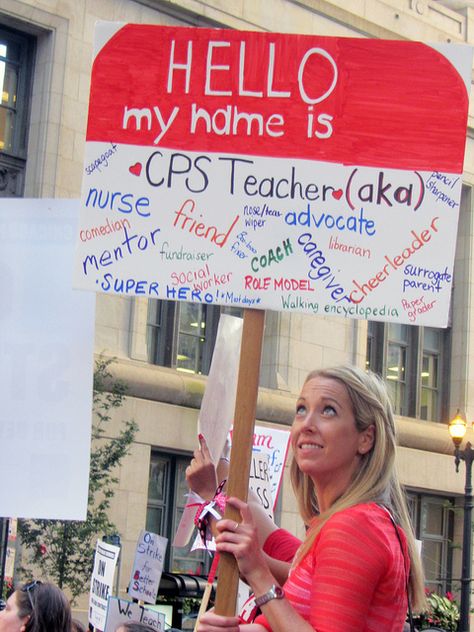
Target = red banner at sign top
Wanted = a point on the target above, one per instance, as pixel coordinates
(368, 102)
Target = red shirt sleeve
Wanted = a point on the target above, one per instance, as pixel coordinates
(281, 545)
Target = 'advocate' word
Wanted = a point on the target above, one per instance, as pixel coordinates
(356, 224)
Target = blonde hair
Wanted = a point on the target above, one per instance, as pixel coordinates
(376, 479)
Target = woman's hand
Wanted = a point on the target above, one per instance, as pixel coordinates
(201, 472)
(241, 541)
(211, 622)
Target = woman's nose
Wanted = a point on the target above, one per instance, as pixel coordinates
(310, 421)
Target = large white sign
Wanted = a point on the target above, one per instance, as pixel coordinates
(285, 172)
(46, 363)
(121, 611)
(105, 561)
(147, 566)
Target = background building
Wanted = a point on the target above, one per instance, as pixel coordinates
(163, 349)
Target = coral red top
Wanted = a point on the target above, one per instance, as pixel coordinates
(354, 577)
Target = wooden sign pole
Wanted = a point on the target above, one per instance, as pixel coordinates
(242, 443)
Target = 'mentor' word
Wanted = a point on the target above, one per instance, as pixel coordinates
(107, 257)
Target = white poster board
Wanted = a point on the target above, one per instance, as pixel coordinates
(147, 566)
(46, 362)
(259, 481)
(274, 171)
(105, 561)
(121, 611)
(273, 444)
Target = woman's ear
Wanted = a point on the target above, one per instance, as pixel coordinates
(366, 439)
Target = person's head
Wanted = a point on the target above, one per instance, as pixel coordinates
(363, 401)
(77, 626)
(360, 448)
(132, 626)
(36, 607)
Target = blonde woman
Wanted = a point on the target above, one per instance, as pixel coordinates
(358, 566)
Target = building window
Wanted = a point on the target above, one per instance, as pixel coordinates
(433, 521)
(182, 335)
(167, 491)
(414, 361)
(16, 62)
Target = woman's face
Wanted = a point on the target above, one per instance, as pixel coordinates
(324, 437)
(10, 620)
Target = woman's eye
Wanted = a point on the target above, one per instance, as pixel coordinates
(329, 411)
(300, 410)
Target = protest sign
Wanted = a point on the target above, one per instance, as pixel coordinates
(105, 561)
(266, 473)
(259, 481)
(46, 346)
(10, 553)
(121, 611)
(325, 178)
(147, 566)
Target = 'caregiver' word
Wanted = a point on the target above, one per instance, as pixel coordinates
(318, 268)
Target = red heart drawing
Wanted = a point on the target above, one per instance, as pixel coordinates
(137, 575)
(136, 169)
(335, 194)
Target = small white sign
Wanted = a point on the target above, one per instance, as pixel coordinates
(105, 561)
(259, 481)
(121, 611)
(147, 567)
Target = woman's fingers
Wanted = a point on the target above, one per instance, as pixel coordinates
(212, 622)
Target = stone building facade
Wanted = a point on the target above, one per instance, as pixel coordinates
(46, 46)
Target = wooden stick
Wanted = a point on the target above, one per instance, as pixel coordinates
(242, 443)
(207, 591)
